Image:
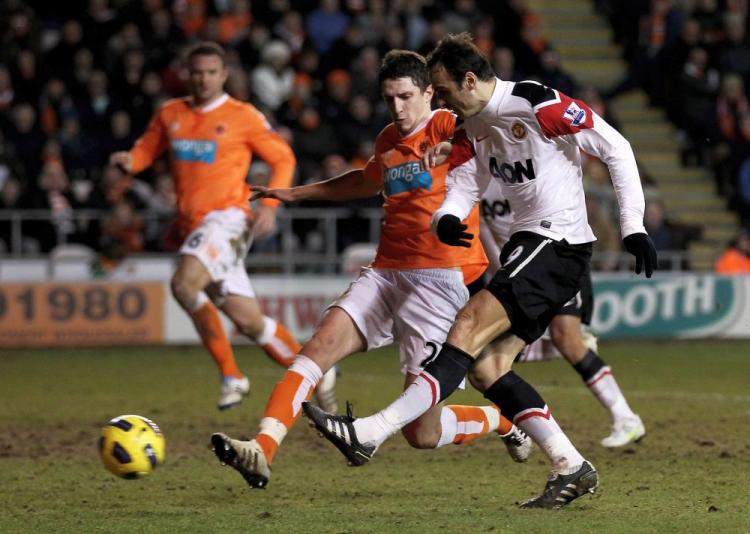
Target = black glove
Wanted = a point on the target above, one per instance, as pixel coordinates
(641, 246)
(450, 231)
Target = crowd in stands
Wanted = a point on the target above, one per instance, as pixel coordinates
(692, 57)
(80, 79)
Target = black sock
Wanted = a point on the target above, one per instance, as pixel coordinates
(513, 395)
(589, 365)
(449, 368)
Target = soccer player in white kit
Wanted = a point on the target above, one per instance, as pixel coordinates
(565, 330)
(528, 138)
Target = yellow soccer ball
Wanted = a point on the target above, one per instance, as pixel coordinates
(131, 446)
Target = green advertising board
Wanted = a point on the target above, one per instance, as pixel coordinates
(669, 306)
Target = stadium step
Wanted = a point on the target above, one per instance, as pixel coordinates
(585, 44)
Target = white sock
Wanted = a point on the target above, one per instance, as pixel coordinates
(547, 434)
(449, 427)
(604, 387)
(419, 397)
(311, 373)
(268, 333)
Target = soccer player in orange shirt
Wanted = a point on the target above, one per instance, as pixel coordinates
(210, 138)
(409, 295)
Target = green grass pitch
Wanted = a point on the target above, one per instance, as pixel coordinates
(689, 474)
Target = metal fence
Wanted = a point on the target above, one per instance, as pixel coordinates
(283, 252)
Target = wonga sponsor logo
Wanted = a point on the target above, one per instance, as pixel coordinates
(406, 177)
(682, 306)
(195, 150)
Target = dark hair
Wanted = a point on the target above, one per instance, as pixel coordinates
(404, 64)
(458, 54)
(206, 48)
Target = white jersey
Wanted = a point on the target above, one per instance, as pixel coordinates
(528, 139)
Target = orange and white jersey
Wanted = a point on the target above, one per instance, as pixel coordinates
(412, 194)
(210, 150)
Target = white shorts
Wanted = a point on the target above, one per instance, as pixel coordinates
(221, 243)
(413, 308)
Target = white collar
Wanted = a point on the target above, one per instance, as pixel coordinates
(213, 105)
(493, 105)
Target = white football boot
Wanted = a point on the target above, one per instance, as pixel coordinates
(519, 445)
(625, 431)
(232, 391)
(246, 457)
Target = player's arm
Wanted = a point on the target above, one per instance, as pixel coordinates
(606, 143)
(146, 149)
(350, 185)
(464, 187)
(575, 122)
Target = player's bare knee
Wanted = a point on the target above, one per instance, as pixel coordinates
(480, 378)
(183, 292)
(421, 437)
(463, 327)
(251, 327)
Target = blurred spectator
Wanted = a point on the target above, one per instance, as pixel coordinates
(552, 74)
(364, 71)
(736, 257)
(12, 198)
(7, 93)
(345, 49)
(56, 198)
(742, 199)
(27, 80)
(291, 29)
(121, 232)
(504, 64)
(234, 24)
(700, 83)
(734, 55)
(358, 126)
(326, 24)
(60, 58)
(27, 139)
(668, 236)
(95, 109)
(55, 104)
(272, 81)
(335, 101)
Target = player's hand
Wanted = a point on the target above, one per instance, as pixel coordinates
(265, 221)
(259, 191)
(641, 246)
(451, 231)
(122, 159)
(436, 155)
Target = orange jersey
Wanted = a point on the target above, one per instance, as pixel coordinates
(412, 195)
(210, 150)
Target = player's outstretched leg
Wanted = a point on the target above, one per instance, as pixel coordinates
(246, 457)
(339, 430)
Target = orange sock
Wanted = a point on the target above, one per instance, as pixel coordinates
(505, 426)
(281, 346)
(282, 411)
(475, 421)
(208, 324)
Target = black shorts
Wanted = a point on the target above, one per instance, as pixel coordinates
(582, 305)
(538, 277)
